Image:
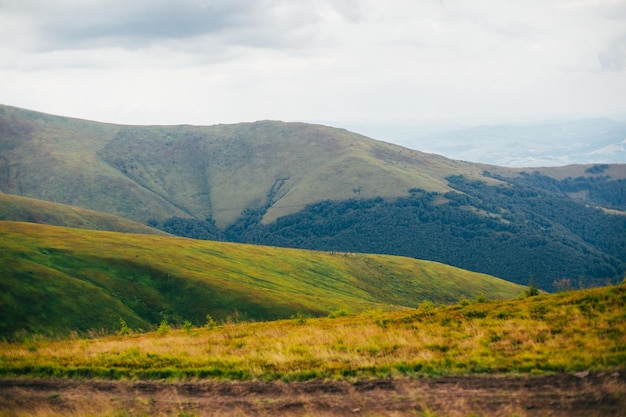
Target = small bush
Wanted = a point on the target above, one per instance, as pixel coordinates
(445, 321)
(164, 328)
(481, 299)
(187, 326)
(376, 316)
(299, 318)
(532, 291)
(532, 288)
(464, 301)
(124, 329)
(426, 308)
(338, 313)
(476, 314)
(537, 312)
(210, 322)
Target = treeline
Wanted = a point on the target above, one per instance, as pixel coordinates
(192, 228)
(601, 190)
(514, 231)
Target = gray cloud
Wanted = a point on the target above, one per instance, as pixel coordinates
(140, 23)
(205, 61)
(150, 23)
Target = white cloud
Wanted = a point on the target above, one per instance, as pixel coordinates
(220, 61)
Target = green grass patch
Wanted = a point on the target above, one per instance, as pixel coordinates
(57, 280)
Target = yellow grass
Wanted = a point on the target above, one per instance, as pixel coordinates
(583, 330)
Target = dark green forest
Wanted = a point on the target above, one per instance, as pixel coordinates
(530, 227)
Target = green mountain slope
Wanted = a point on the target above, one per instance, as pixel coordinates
(56, 279)
(513, 231)
(217, 172)
(315, 187)
(24, 209)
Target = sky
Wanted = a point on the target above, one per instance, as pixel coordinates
(347, 63)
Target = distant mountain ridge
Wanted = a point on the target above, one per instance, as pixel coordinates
(317, 187)
(547, 143)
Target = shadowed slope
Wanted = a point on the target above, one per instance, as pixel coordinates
(24, 209)
(56, 279)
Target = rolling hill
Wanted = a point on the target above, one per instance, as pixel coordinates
(217, 172)
(316, 187)
(574, 331)
(23, 209)
(57, 279)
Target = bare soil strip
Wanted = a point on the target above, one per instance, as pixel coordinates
(582, 394)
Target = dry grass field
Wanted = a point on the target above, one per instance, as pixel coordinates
(548, 355)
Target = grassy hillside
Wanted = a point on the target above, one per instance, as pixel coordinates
(24, 209)
(315, 187)
(217, 172)
(158, 172)
(565, 332)
(58, 279)
(56, 159)
(513, 232)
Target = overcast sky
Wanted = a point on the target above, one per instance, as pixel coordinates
(337, 61)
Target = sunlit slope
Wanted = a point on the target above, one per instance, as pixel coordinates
(54, 279)
(575, 331)
(158, 172)
(56, 158)
(24, 209)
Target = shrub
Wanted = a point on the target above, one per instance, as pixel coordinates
(164, 328)
(210, 322)
(299, 318)
(124, 329)
(532, 288)
(377, 316)
(338, 313)
(464, 301)
(481, 299)
(426, 306)
(187, 326)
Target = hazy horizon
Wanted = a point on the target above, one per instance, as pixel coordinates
(212, 61)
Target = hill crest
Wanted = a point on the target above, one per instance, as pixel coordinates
(217, 172)
(24, 209)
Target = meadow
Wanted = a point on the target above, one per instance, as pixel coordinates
(562, 355)
(56, 280)
(569, 332)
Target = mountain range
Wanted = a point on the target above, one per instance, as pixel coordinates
(536, 144)
(316, 187)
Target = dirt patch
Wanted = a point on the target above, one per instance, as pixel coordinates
(583, 394)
